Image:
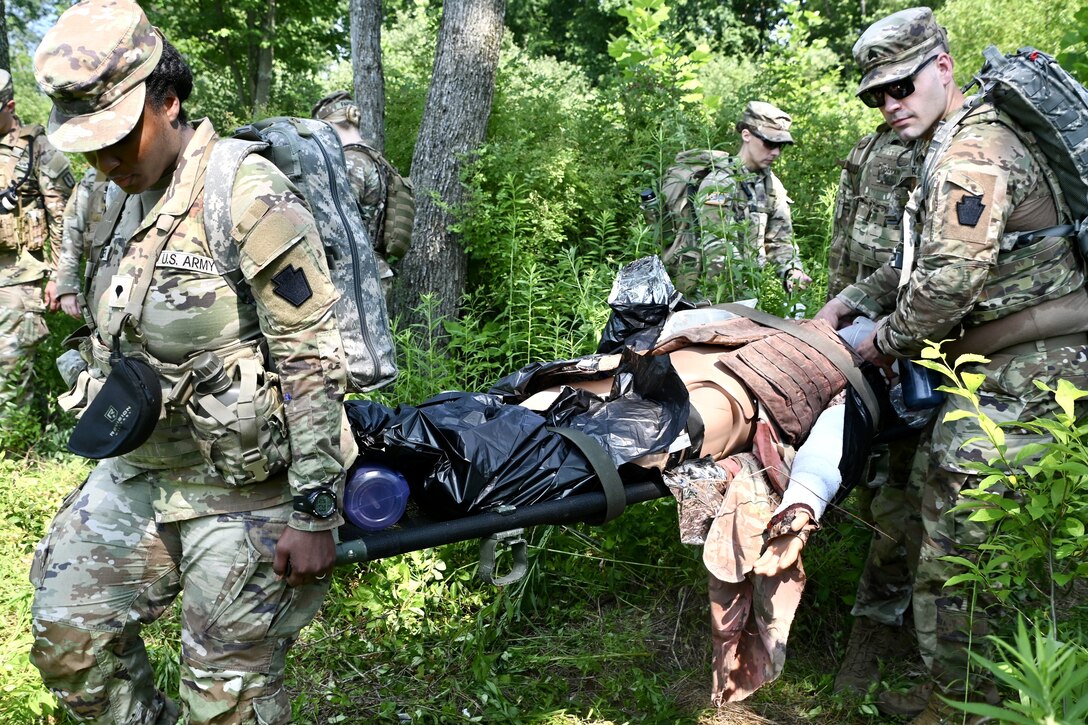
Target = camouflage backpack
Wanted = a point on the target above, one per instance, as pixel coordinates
(680, 224)
(1050, 109)
(310, 155)
(398, 208)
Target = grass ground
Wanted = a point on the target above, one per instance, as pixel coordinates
(608, 627)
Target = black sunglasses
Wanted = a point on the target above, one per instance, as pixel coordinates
(772, 145)
(874, 97)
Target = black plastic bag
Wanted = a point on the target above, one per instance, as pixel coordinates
(467, 452)
(645, 412)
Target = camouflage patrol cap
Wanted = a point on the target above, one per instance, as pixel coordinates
(93, 64)
(330, 104)
(768, 122)
(894, 47)
(6, 91)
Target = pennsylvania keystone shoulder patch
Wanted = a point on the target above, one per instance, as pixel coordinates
(969, 210)
(291, 284)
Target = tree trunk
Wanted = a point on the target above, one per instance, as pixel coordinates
(454, 124)
(5, 52)
(262, 68)
(366, 68)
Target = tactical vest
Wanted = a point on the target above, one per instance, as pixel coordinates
(680, 223)
(243, 436)
(871, 209)
(26, 227)
(793, 381)
(392, 231)
(1027, 273)
(762, 199)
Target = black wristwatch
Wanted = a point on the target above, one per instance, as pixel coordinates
(319, 502)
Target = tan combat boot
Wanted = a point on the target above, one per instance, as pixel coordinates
(905, 704)
(870, 642)
(938, 712)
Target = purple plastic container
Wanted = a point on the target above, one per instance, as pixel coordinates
(375, 496)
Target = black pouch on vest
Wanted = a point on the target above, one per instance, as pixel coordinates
(123, 413)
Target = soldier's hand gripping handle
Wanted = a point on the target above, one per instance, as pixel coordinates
(303, 557)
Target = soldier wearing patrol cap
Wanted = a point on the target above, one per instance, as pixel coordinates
(365, 174)
(964, 279)
(35, 182)
(234, 495)
(747, 191)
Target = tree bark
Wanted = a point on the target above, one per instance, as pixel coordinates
(262, 66)
(366, 69)
(5, 51)
(454, 124)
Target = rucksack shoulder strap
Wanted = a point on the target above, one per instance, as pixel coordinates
(858, 155)
(376, 156)
(226, 158)
(30, 131)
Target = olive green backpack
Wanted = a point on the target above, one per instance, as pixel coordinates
(398, 210)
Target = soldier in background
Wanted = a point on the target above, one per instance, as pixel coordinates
(251, 542)
(876, 180)
(367, 176)
(84, 210)
(985, 183)
(749, 192)
(35, 182)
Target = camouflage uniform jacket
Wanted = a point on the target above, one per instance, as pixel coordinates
(41, 203)
(190, 308)
(81, 215)
(730, 196)
(876, 179)
(366, 181)
(988, 184)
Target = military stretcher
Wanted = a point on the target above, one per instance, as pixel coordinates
(605, 435)
(500, 531)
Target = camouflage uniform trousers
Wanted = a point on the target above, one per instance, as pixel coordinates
(106, 568)
(950, 620)
(891, 503)
(22, 329)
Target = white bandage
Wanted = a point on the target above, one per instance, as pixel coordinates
(815, 475)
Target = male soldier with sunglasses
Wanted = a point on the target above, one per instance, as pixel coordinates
(971, 281)
(748, 191)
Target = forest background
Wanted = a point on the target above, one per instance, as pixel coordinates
(591, 102)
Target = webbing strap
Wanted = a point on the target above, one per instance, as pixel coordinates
(1061, 230)
(614, 496)
(103, 234)
(226, 158)
(835, 354)
(164, 228)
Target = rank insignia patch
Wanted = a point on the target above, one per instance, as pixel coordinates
(291, 284)
(969, 210)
